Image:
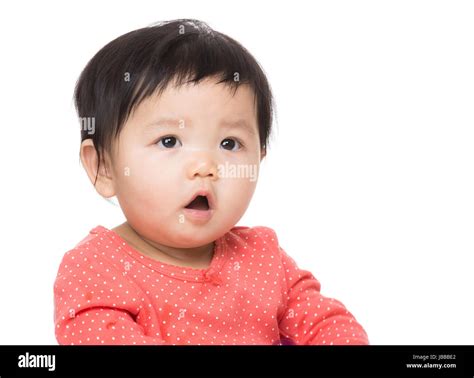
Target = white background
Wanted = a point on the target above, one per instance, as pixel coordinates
(369, 176)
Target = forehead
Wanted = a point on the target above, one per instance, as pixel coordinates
(208, 102)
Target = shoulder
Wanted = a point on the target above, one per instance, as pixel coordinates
(254, 234)
(253, 243)
(91, 251)
(262, 239)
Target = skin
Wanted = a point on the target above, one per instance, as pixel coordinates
(154, 183)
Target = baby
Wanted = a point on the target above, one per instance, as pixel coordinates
(175, 120)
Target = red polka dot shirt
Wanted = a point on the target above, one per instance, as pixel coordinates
(106, 292)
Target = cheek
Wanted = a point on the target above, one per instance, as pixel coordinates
(143, 183)
(236, 192)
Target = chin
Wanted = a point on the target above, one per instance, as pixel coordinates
(192, 239)
(195, 243)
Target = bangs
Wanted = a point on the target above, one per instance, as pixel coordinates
(191, 58)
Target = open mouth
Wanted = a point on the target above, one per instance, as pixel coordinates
(199, 203)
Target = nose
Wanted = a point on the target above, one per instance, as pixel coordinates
(202, 165)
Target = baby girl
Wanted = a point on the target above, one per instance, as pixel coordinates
(175, 120)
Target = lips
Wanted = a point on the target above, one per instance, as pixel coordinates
(202, 200)
(199, 203)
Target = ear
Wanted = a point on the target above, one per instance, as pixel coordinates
(89, 158)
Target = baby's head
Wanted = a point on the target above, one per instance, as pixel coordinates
(169, 112)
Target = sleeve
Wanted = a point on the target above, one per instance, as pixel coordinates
(310, 318)
(94, 305)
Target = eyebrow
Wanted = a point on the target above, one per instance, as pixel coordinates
(226, 124)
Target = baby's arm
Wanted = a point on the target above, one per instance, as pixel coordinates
(97, 304)
(101, 326)
(310, 318)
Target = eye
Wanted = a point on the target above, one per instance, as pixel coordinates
(168, 142)
(231, 144)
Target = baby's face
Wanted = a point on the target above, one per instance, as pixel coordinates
(189, 139)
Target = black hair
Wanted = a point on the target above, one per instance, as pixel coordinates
(137, 64)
